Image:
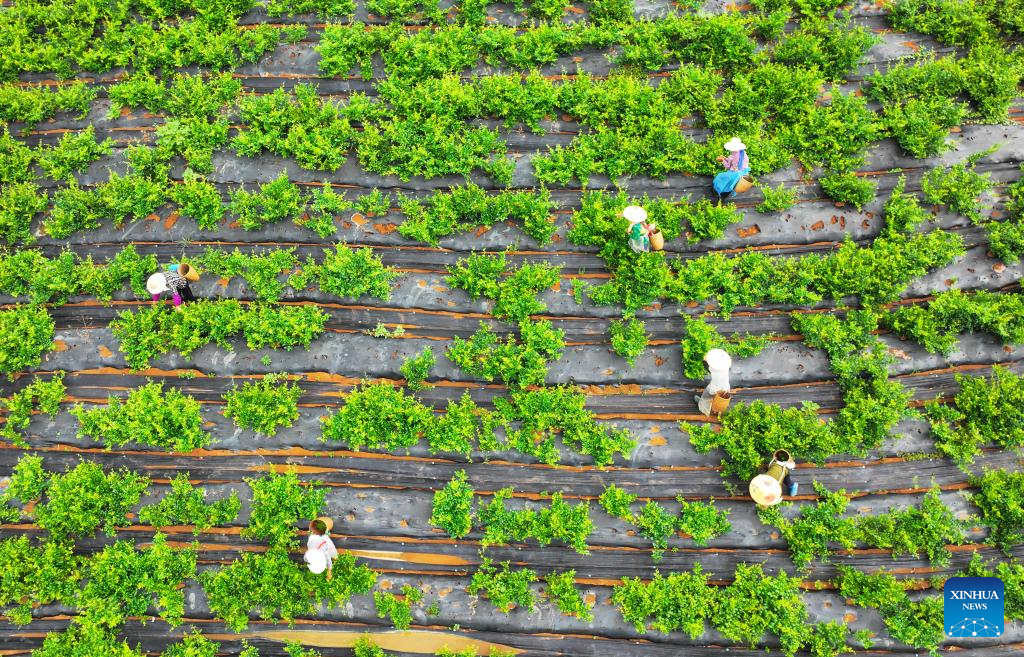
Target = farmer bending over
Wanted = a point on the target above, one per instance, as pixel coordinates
(320, 550)
(737, 165)
(174, 280)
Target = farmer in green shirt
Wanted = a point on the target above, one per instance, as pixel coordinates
(639, 231)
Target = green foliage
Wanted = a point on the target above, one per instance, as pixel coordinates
(832, 44)
(150, 416)
(453, 507)
(399, 610)
(187, 505)
(702, 521)
(984, 411)
(517, 363)
(19, 204)
(348, 272)
(36, 574)
(850, 188)
(25, 333)
(616, 501)
(560, 410)
(85, 641)
(778, 199)
(810, 535)
(516, 297)
(959, 186)
(629, 338)
(276, 201)
(927, 529)
(324, 204)
(365, 647)
(279, 501)
(656, 525)
(199, 200)
(41, 396)
(374, 203)
(379, 416)
(416, 368)
(74, 152)
(261, 270)
(1000, 498)
(917, 624)
(147, 333)
(937, 325)
(560, 521)
(273, 586)
(680, 601)
(264, 405)
(755, 604)
(561, 589)
(85, 498)
(322, 8)
(469, 206)
(33, 105)
(504, 587)
(192, 645)
(701, 337)
(708, 220)
(122, 581)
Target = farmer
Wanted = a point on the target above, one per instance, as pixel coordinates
(320, 550)
(639, 231)
(718, 362)
(767, 489)
(174, 280)
(737, 165)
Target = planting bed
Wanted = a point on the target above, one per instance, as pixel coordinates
(359, 358)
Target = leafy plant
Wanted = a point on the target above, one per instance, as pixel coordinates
(561, 521)
(915, 623)
(959, 186)
(187, 505)
(273, 586)
(261, 270)
(348, 272)
(453, 505)
(374, 203)
(518, 364)
(36, 574)
(264, 405)
(122, 581)
(74, 152)
(200, 200)
(778, 199)
(935, 326)
(848, 188)
(515, 297)
(151, 416)
(708, 221)
(629, 338)
(984, 411)
(41, 396)
(702, 521)
(25, 333)
(701, 337)
(1000, 497)
(561, 589)
(379, 416)
(278, 502)
(680, 601)
(19, 204)
(276, 201)
(399, 610)
(85, 498)
(755, 604)
(193, 644)
(416, 368)
(504, 587)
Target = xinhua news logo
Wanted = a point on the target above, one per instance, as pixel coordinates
(974, 607)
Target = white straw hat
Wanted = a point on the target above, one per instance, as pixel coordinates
(634, 214)
(718, 359)
(156, 283)
(316, 560)
(735, 144)
(765, 490)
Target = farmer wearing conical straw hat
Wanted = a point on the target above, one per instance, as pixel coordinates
(737, 165)
(639, 232)
(320, 550)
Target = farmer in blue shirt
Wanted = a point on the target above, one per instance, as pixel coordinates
(737, 165)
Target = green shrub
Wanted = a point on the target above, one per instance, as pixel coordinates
(755, 604)
(708, 221)
(1000, 497)
(84, 499)
(560, 521)
(348, 272)
(199, 200)
(561, 589)
(416, 368)
(192, 645)
(453, 504)
(26, 332)
(777, 199)
(629, 338)
(984, 411)
(701, 337)
(187, 505)
(959, 186)
(505, 588)
(122, 581)
(918, 624)
(41, 396)
(19, 204)
(518, 364)
(516, 295)
(74, 152)
(150, 416)
(848, 188)
(36, 574)
(379, 416)
(261, 270)
(273, 586)
(279, 501)
(680, 601)
(276, 201)
(264, 405)
(937, 325)
(398, 610)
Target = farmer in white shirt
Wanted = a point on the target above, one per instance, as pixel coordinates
(320, 550)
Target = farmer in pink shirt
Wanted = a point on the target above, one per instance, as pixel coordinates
(736, 164)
